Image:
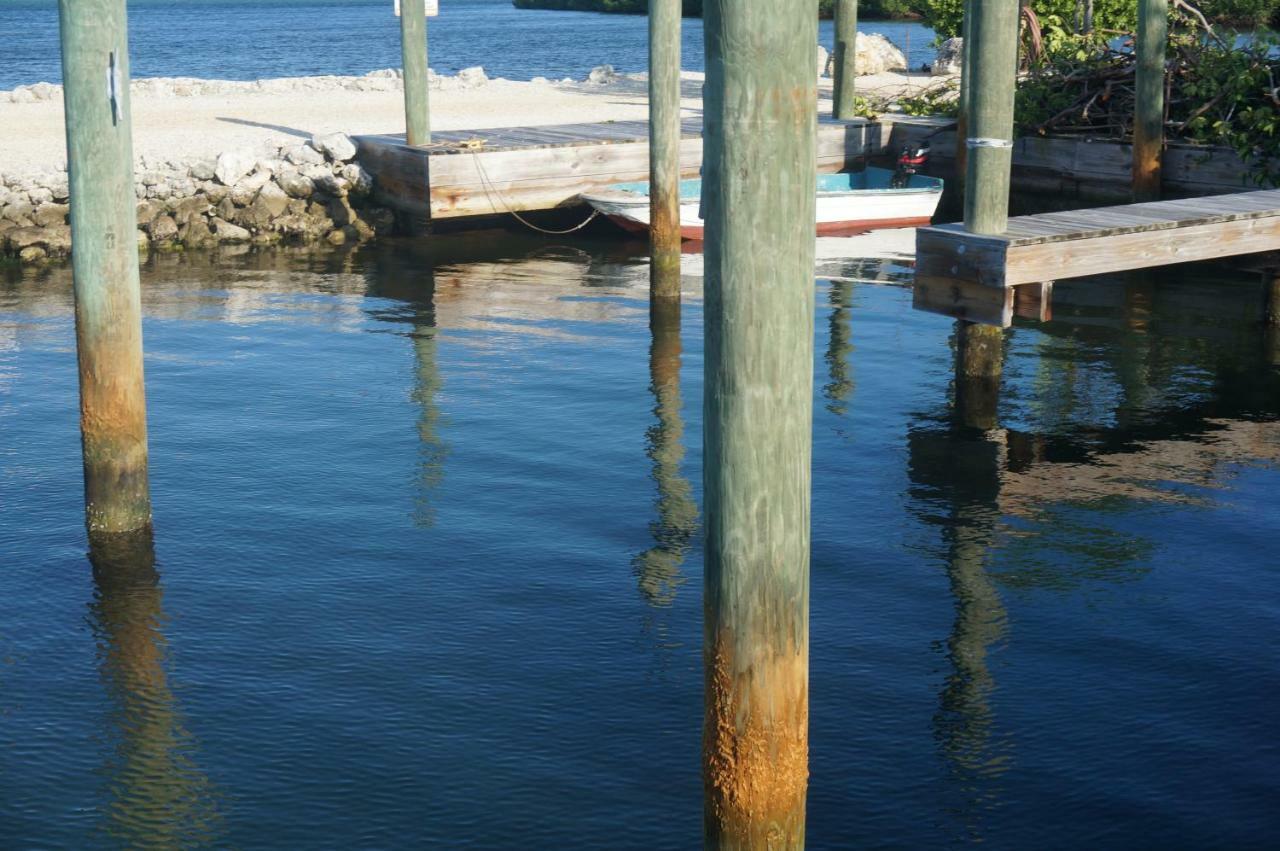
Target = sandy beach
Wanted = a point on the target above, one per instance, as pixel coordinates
(174, 122)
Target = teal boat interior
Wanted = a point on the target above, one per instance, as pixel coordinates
(869, 179)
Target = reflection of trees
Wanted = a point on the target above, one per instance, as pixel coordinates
(158, 796)
(840, 386)
(657, 569)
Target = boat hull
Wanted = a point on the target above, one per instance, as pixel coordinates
(842, 212)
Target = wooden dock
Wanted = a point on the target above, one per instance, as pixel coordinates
(518, 169)
(990, 278)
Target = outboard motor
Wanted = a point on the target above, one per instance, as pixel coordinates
(910, 161)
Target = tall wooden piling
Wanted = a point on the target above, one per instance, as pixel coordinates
(758, 409)
(962, 114)
(993, 58)
(1271, 303)
(113, 407)
(664, 147)
(844, 59)
(413, 51)
(1148, 120)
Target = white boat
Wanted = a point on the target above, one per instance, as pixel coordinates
(847, 203)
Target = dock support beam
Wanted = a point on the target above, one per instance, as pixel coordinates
(962, 113)
(758, 413)
(104, 262)
(993, 59)
(1271, 307)
(844, 59)
(413, 51)
(1148, 121)
(664, 148)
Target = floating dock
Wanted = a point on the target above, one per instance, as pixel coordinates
(990, 278)
(519, 169)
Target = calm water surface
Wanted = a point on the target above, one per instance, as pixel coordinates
(427, 565)
(253, 39)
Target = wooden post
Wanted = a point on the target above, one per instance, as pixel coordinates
(979, 365)
(758, 412)
(664, 147)
(1148, 121)
(413, 50)
(993, 52)
(840, 384)
(962, 115)
(844, 61)
(1271, 306)
(113, 405)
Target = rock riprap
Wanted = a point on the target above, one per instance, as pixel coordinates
(300, 194)
(873, 54)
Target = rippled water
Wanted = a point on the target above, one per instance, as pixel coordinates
(427, 564)
(253, 39)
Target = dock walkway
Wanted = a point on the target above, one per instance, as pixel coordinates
(975, 276)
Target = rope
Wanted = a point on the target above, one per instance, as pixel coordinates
(474, 145)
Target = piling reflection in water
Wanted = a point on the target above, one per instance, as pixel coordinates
(657, 569)
(840, 386)
(157, 796)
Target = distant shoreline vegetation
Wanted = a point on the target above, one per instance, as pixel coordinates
(880, 10)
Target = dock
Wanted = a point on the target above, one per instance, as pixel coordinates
(493, 171)
(990, 278)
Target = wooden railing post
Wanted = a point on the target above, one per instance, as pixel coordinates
(993, 55)
(758, 411)
(844, 59)
(1148, 122)
(104, 262)
(413, 51)
(664, 147)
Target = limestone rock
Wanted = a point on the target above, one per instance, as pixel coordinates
(244, 191)
(233, 165)
(602, 75)
(274, 198)
(202, 169)
(336, 237)
(48, 215)
(303, 155)
(336, 146)
(32, 254)
(40, 195)
(214, 191)
(227, 232)
(823, 60)
(17, 211)
(296, 185)
(473, 77)
(163, 229)
(950, 53)
(874, 54)
(147, 212)
(194, 207)
(195, 234)
(361, 181)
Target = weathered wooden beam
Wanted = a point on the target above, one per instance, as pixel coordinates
(664, 147)
(1271, 287)
(962, 114)
(758, 412)
(413, 50)
(113, 407)
(993, 48)
(844, 60)
(979, 365)
(1148, 123)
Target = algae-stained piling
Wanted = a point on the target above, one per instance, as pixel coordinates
(113, 411)
(413, 46)
(760, 169)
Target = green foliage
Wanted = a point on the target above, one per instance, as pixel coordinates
(867, 9)
(944, 16)
(943, 98)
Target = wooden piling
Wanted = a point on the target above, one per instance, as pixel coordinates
(844, 59)
(1148, 122)
(979, 366)
(113, 407)
(759, 176)
(413, 51)
(1271, 305)
(664, 147)
(993, 52)
(962, 113)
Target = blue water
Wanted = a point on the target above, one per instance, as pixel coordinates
(428, 565)
(254, 39)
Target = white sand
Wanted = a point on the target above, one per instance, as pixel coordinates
(183, 129)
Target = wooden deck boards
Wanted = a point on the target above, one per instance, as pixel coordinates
(963, 274)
